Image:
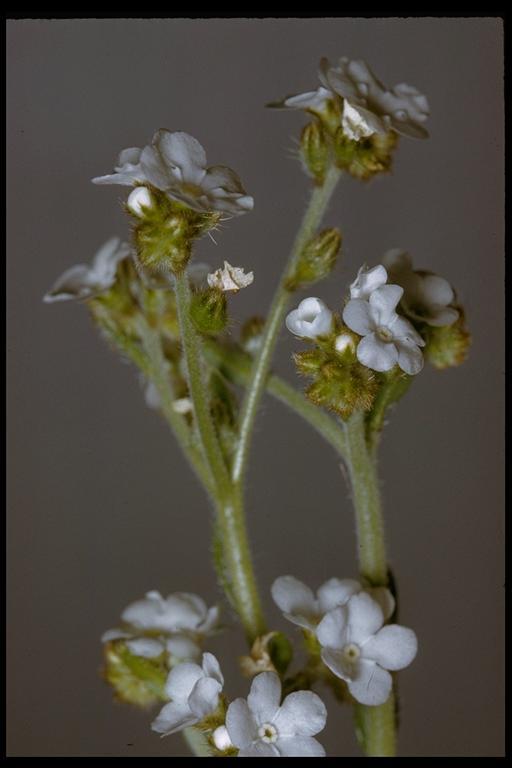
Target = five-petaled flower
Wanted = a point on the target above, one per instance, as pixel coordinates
(263, 727)
(300, 606)
(311, 319)
(427, 297)
(175, 163)
(358, 649)
(194, 693)
(388, 339)
(84, 281)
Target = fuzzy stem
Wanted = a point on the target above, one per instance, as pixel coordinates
(256, 385)
(376, 728)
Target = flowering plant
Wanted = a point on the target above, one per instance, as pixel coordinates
(169, 315)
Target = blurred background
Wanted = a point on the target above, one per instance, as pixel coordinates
(102, 506)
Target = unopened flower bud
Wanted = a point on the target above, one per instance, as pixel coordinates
(221, 740)
(311, 319)
(208, 310)
(251, 334)
(314, 151)
(344, 342)
(139, 199)
(317, 259)
(447, 345)
(134, 678)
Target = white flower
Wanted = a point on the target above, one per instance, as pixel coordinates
(220, 738)
(311, 319)
(358, 649)
(175, 163)
(260, 727)
(387, 338)
(181, 611)
(367, 281)
(230, 278)
(374, 108)
(138, 199)
(312, 101)
(343, 342)
(300, 606)
(194, 693)
(83, 281)
(426, 296)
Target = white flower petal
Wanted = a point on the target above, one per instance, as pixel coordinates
(300, 746)
(336, 592)
(230, 278)
(302, 713)
(181, 680)
(384, 598)
(393, 647)
(403, 330)
(358, 122)
(376, 354)
(367, 281)
(410, 358)
(222, 177)
(74, 283)
(173, 717)
(364, 618)
(357, 316)
(154, 169)
(383, 303)
(337, 663)
(314, 101)
(115, 634)
(264, 697)
(332, 629)
(442, 316)
(204, 697)
(182, 648)
(436, 290)
(241, 725)
(293, 597)
(145, 647)
(372, 685)
(211, 668)
(183, 151)
(211, 620)
(259, 749)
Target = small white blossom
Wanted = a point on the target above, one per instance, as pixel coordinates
(175, 163)
(84, 281)
(374, 108)
(343, 342)
(311, 101)
(181, 611)
(194, 693)
(261, 727)
(360, 650)
(426, 296)
(220, 738)
(367, 281)
(311, 319)
(230, 278)
(139, 199)
(387, 338)
(300, 606)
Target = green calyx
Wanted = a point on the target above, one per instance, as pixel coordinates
(317, 259)
(314, 150)
(367, 157)
(135, 680)
(447, 346)
(208, 311)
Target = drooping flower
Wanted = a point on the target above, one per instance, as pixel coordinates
(193, 691)
(358, 649)
(372, 107)
(175, 163)
(427, 297)
(300, 606)
(84, 281)
(230, 278)
(262, 727)
(311, 319)
(388, 339)
(367, 281)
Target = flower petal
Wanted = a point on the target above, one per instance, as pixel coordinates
(302, 713)
(173, 717)
(442, 316)
(293, 597)
(383, 303)
(356, 315)
(181, 680)
(436, 290)
(376, 354)
(259, 749)
(154, 169)
(300, 746)
(211, 668)
(241, 725)
(74, 283)
(264, 697)
(337, 663)
(364, 618)
(332, 629)
(410, 358)
(393, 647)
(183, 151)
(336, 592)
(145, 647)
(372, 685)
(223, 177)
(204, 697)
(183, 648)
(367, 281)
(403, 330)
(115, 634)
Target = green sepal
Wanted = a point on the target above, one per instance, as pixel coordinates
(208, 311)
(135, 680)
(317, 259)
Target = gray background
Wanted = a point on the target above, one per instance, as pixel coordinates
(102, 505)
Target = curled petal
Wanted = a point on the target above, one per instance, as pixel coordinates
(211, 668)
(204, 697)
(173, 717)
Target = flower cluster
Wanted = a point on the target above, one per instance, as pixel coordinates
(348, 622)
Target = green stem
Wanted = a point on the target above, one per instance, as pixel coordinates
(256, 385)
(376, 726)
(208, 438)
(236, 366)
(196, 742)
